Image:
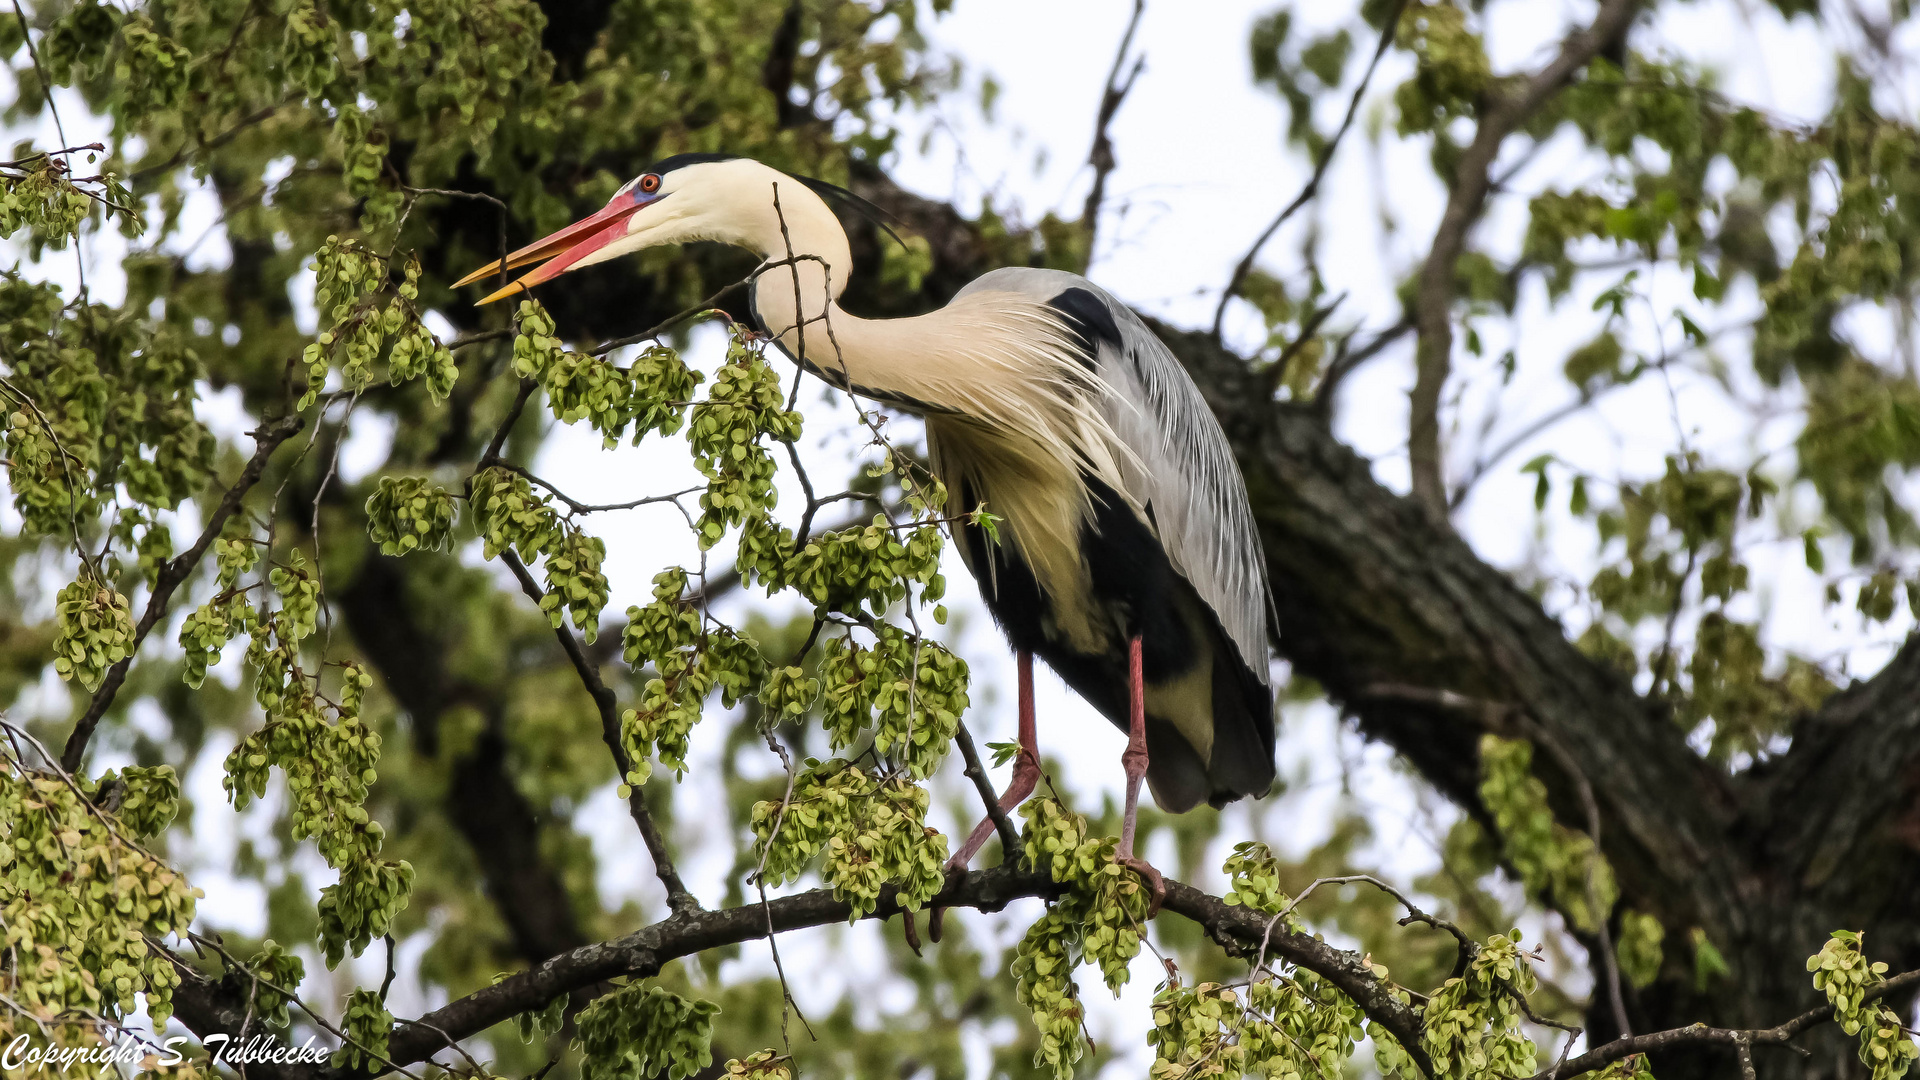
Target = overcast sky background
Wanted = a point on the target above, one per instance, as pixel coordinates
(1202, 168)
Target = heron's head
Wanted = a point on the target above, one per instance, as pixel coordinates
(688, 197)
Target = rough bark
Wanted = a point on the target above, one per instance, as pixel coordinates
(208, 1007)
(1374, 598)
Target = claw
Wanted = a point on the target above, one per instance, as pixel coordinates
(1156, 885)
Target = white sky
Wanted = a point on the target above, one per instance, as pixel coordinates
(1202, 167)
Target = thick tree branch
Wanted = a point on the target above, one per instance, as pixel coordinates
(1433, 300)
(646, 951)
(267, 438)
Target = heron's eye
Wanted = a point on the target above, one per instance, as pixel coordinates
(650, 183)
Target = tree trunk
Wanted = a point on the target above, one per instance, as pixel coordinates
(1401, 622)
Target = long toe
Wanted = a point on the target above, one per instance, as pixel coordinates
(1156, 885)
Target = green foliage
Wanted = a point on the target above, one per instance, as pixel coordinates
(1631, 1067)
(276, 974)
(145, 798)
(96, 632)
(640, 1031)
(87, 905)
(651, 394)
(1099, 918)
(328, 755)
(1844, 974)
(910, 691)
(289, 111)
(322, 130)
(1292, 1027)
(689, 661)
(872, 829)
(1253, 880)
(367, 1024)
(1451, 69)
(1639, 948)
(409, 512)
(746, 403)
(350, 281)
(764, 1065)
(1551, 859)
(1473, 1022)
(1284, 1024)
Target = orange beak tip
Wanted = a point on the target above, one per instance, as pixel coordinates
(500, 294)
(478, 274)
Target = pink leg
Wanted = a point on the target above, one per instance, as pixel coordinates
(1134, 761)
(1026, 769)
(1026, 773)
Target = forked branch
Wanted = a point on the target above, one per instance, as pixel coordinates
(1472, 183)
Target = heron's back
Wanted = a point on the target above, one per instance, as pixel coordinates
(1152, 537)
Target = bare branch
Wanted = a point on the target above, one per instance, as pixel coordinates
(1101, 155)
(1347, 359)
(1010, 845)
(678, 898)
(1701, 1035)
(1433, 301)
(1312, 186)
(575, 506)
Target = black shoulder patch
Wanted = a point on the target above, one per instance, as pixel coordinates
(681, 161)
(1090, 320)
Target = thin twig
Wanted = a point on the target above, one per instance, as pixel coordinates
(1312, 186)
(1277, 371)
(710, 304)
(1591, 806)
(1520, 438)
(679, 899)
(1699, 1034)
(1511, 720)
(575, 506)
(1101, 155)
(1414, 914)
(760, 880)
(478, 336)
(40, 73)
(1347, 360)
(499, 440)
(1010, 845)
(267, 438)
(292, 996)
(16, 163)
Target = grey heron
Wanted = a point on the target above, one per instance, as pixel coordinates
(1126, 554)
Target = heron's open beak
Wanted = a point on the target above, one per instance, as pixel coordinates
(566, 247)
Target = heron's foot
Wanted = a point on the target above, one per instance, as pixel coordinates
(1156, 885)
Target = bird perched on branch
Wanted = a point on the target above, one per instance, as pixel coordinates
(1125, 556)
